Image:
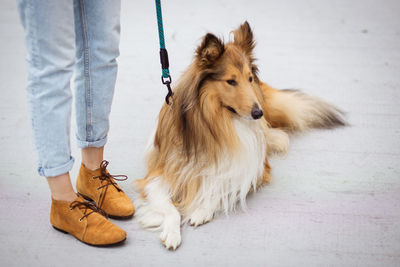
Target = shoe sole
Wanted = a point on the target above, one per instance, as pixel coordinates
(109, 215)
(93, 245)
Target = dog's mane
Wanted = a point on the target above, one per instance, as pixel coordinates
(197, 124)
(197, 129)
(193, 133)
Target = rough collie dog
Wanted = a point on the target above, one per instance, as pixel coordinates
(210, 148)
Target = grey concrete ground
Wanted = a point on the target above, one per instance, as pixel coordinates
(334, 200)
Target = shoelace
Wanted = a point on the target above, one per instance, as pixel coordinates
(105, 176)
(86, 206)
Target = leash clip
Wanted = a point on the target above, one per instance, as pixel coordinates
(167, 81)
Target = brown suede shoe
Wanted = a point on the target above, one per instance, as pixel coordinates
(100, 186)
(83, 220)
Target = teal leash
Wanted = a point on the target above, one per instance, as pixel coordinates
(165, 77)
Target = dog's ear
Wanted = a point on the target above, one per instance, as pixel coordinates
(210, 50)
(243, 38)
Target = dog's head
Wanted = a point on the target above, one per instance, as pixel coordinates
(228, 71)
(220, 84)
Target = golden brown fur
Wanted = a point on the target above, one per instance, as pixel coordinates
(199, 121)
(222, 85)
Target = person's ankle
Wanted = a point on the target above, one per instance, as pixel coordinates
(69, 197)
(61, 187)
(91, 165)
(92, 157)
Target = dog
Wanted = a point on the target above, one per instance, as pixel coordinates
(211, 148)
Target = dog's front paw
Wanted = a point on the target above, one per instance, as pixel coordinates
(170, 239)
(200, 216)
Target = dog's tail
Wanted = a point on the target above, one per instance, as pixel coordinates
(296, 111)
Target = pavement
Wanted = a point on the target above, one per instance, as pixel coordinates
(334, 199)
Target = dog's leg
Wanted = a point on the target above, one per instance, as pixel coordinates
(266, 178)
(157, 211)
(277, 141)
(203, 213)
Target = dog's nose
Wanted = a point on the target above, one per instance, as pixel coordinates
(256, 112)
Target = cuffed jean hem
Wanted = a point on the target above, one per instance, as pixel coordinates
(50, 172)
(98, 143)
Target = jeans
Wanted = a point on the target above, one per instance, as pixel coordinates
(66, 37)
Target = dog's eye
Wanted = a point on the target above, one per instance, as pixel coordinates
(232, 82)
(250, 79)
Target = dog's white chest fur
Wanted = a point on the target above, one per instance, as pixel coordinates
(231, 179)
(223, 185)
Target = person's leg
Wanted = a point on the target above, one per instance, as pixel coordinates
(97, 28)
(49, 37)
(61, 187)
(50, 41)
(92, 157)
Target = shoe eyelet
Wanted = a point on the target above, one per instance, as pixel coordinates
(80, 219)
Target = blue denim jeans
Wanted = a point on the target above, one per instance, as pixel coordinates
(66, 37)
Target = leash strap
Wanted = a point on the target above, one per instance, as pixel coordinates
(165, 77)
